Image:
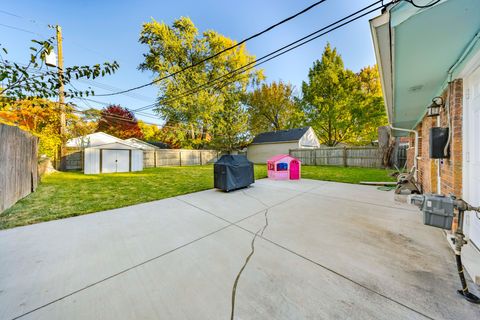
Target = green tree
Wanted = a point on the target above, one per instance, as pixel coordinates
(273, 107)
(29, 81)
(230, 131)
(340, 105)
(175, 47)
(372, 106)
(150, 132)
(85, 124)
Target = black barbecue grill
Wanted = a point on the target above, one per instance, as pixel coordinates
(233, 172)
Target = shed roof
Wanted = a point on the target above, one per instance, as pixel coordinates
(92, 140)
(116, 145)
(280, 136)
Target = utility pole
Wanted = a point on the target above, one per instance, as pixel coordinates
(61, 101)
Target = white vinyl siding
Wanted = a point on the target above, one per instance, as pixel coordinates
(259, 153)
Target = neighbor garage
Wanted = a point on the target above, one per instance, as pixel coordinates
(113, 157)
(268, 144)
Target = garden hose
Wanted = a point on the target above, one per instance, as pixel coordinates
(464, 291)
(459, 242)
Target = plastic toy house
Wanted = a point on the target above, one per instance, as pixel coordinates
(283, 167)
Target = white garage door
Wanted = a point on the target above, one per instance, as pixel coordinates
(472, 150)
(115, 161)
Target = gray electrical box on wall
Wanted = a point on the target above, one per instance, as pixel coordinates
(438, 141)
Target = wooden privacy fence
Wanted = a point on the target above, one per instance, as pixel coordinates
(368, 157)
(18, 165)
(178, 157)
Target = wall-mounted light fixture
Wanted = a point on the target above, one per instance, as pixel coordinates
(434, 109)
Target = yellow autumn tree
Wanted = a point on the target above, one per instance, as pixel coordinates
(40, 117)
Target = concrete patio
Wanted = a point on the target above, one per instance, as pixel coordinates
(321, 250)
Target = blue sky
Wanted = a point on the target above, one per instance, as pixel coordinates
(97, 31)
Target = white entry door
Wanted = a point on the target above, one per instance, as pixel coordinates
(472, 151)
(115, 161)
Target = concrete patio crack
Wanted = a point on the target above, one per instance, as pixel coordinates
(259, 234)
(237, 278)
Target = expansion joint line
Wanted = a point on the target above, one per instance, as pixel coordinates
(253, 197)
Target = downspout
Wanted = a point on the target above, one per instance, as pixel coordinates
(415, 159)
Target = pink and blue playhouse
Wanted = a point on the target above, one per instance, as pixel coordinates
(283, 167)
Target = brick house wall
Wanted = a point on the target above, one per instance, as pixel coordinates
(451, 168)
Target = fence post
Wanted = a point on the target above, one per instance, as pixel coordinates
(180, 157)
(344, 156)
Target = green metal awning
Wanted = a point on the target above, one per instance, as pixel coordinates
(417, 48)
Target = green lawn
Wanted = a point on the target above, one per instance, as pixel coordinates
(67, 194)
(347, 175)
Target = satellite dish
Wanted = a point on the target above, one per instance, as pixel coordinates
(51, 59)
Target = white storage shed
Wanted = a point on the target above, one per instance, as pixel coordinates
(113, 157)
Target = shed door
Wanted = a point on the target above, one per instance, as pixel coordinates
(472, 152)
(115, 161)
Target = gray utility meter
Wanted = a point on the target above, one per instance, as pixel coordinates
(438, 211)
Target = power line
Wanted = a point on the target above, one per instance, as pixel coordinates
(114, 89)
(272, 55)
(121, 118)
(422, 6)
(86, 100)
(281, 51)
(21, 29)
(47, 25)
(135, 112)
(220, 52)
(275, 54)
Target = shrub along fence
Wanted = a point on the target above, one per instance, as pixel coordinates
(178, 157)
(368, 157)
(18, 165)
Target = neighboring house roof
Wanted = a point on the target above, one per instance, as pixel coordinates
(280, 136)
(160, 145)
(141, 144)
(418, 52)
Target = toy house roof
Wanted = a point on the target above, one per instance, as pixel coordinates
(280, 157)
